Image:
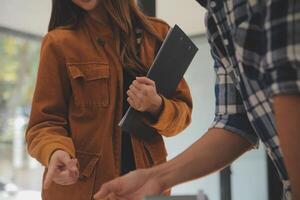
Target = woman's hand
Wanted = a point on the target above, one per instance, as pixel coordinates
(62, 169)
(143, 97)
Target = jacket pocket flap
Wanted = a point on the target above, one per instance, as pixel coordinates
(87, 163)
(157, 150)
(90, 71)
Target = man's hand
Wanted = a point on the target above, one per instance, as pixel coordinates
(133, 186)
(142, 96)
(62, 169)
(202, 158)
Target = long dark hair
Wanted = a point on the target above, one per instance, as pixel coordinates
(125, 18)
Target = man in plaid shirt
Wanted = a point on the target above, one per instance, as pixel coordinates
(256, 48)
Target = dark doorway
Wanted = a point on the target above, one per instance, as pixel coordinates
(275, 185)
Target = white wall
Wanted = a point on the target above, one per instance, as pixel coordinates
(200, 77)
(31, 16)
(249, 176)
(186, 13)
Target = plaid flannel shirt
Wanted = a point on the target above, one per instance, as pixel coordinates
(256, 48)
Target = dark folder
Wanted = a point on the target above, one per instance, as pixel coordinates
(167, 70)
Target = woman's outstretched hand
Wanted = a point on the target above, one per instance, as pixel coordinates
(62, 169)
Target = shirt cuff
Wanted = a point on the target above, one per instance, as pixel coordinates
(237, 124)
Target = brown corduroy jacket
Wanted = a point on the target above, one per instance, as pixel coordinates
(77, 105)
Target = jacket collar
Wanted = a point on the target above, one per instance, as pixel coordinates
(99, 32)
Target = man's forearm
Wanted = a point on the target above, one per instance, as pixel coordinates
(214, 151)
(287, 114)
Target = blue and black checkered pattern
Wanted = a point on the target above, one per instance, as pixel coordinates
(256, 48)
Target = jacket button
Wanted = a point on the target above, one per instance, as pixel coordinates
(81, 177)
(101, 42)
(226, 42)
(213, 4)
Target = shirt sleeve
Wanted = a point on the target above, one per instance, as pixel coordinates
(47, 127)
(282, 60)
(230, 113)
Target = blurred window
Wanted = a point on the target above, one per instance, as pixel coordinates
(19, 55)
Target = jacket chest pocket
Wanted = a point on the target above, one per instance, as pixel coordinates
(90, 84)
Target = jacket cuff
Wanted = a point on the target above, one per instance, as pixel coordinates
(51, 148)
(165, 118)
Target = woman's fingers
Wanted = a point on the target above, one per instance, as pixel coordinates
(52, 170)
(132, 95)
(145, 80)
(134, 89)
(135, 99)
(72, 168)
(134, 104)
(66, 176)
(65, 182)
(63, 175)
(61, 166)
(137, 85)
(142, 94)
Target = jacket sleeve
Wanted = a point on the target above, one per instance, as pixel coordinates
(47, 128)
(176, 112)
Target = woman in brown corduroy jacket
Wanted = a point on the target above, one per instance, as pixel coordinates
(92, 66)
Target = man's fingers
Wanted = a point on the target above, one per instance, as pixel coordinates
(103, 192)
(113, 196)
(112, 187)
(145, 80)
